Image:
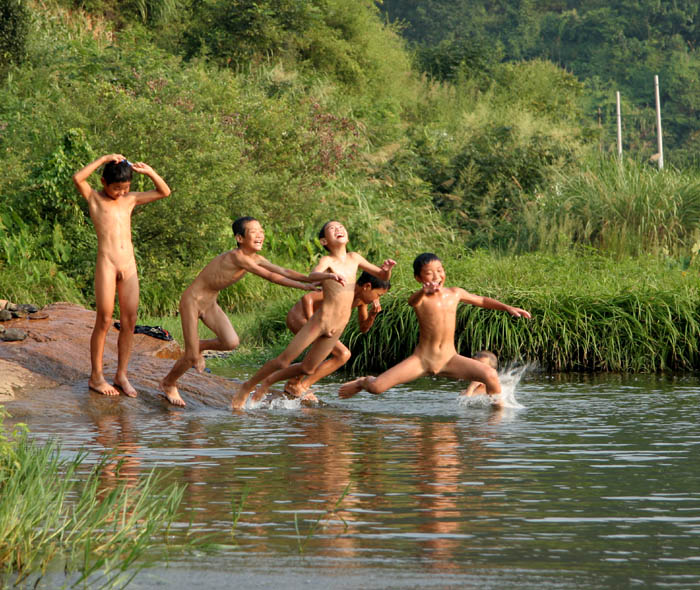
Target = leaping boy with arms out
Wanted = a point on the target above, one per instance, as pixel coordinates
(199, 301)
(436, 308)
(115, 270)
(326, 325)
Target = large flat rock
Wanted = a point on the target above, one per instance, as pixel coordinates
(56, 356)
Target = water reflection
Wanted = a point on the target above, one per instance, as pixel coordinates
(593, 482)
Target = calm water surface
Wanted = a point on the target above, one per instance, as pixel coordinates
(593, 483)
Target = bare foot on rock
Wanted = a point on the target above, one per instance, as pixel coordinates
(294, 388)
(171, 393)
(239, 398)
(102, 387)
(200, 364)
(123, 385)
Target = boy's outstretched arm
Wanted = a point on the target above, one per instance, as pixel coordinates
(488, 303)
(313, 277)
(382, 272)
(261, 268)
(162, 189)
(81, 176)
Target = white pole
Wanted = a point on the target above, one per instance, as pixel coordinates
(619, 126)
(658, 123)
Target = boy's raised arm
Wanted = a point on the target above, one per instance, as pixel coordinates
(81, 176)
(383, 273)
(162, 189)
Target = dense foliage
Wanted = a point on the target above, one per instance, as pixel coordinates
(299, 112)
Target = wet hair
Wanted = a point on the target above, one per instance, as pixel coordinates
(376, 283)
(487, 354)
(239, 225)
(117, 172)
(421, 260)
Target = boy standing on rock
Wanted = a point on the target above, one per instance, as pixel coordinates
(115, 270)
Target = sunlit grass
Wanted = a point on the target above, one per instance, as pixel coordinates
(54, 516)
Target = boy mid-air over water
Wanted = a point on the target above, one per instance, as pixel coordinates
(368, 290)
(326, 325)
(199, 301)
(436, 308)
(115, 270)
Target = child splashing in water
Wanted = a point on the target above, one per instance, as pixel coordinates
(436, 308)
(325, 326)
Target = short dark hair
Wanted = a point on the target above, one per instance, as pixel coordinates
(239, 225)
(487, 354)
(117, 172)
(376, 283)
(421, 260)
(322, 234)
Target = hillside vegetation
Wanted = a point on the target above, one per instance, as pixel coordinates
(299, 112)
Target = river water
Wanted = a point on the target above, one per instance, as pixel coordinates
(585, 482)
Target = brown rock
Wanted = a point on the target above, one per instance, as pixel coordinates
(59, 348)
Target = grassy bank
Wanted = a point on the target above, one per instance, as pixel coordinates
(55, 518)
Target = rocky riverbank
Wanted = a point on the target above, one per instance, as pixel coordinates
(54, 356)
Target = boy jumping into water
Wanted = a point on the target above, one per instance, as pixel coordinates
(115, 270)
(325, 326)
(436, 308)
(368, 290)
(199, 299)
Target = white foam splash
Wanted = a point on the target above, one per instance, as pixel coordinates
(509, 378)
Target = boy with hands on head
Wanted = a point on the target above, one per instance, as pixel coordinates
(115, 269)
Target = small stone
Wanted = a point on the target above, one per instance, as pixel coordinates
(13, 335)
(39, 315)
(5, 315)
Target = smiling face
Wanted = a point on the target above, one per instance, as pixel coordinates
(335, 234)
(432, 272)
(114, 190)
(254, 236)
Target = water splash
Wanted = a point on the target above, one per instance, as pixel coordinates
(509, 377)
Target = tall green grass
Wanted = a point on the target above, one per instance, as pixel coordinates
(625, 208)
(52, 520)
